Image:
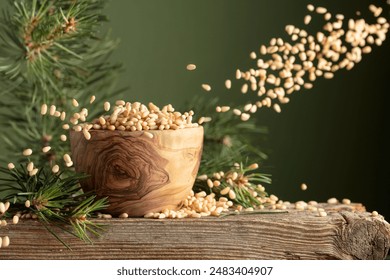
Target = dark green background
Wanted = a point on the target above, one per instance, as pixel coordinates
(331, 137)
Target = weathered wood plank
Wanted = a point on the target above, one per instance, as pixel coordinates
(343, 234)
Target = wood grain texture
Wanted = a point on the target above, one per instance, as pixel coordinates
(343, 234)
(137, 173)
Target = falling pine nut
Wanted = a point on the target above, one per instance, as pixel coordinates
(55, 169)
(191, 67)
(321, 10)
(307, 19)
(303, 187)
(44, 109)
(27, 203)
(253, 55)
(206, 87)
(92, 99)
(218, 109)
(228, 84)
(107, 106)
(27, 152)
(245, 117)
(11, 166)
(63, 137)
(225, 109)
(277, 108)
(236, 112)
(310, 7)
(75, 103)
(244, 88)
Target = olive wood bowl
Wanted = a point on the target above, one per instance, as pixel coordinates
(139, 174)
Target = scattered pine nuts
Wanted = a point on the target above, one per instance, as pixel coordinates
(307, 19)
(63, 137)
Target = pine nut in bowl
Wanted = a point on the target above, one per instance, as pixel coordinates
(139, 171)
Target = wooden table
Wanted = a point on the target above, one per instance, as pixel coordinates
(348, 232)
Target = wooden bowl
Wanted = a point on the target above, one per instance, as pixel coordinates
(139, 174)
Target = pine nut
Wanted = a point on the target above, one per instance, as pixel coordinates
(11, 166)
(27, 152)
(2, 208)
(375, 213)
(63, 137)
(332, 200)
(346, 201)
(107, 106)
(123, 216)
(228, 84)
(75, 103)
(92, 99)
(27, 203)
(55, 169)
(52, 110)
(307, 19)
(245, 117)
(30, 166)
(310, 7)
(322, 214)
(148, 134)
(206, 87)
(15, 219)
(87, 135)
(225, 191)
(44, 109)
(5, 242)
(303, 187)
(191, 67)
(67, 158)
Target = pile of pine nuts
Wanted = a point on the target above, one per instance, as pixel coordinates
(289, 65)
(135, 116)
(195, 206)
(125, 116)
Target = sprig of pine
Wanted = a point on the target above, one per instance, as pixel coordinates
(55, 199)
(51, 52)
